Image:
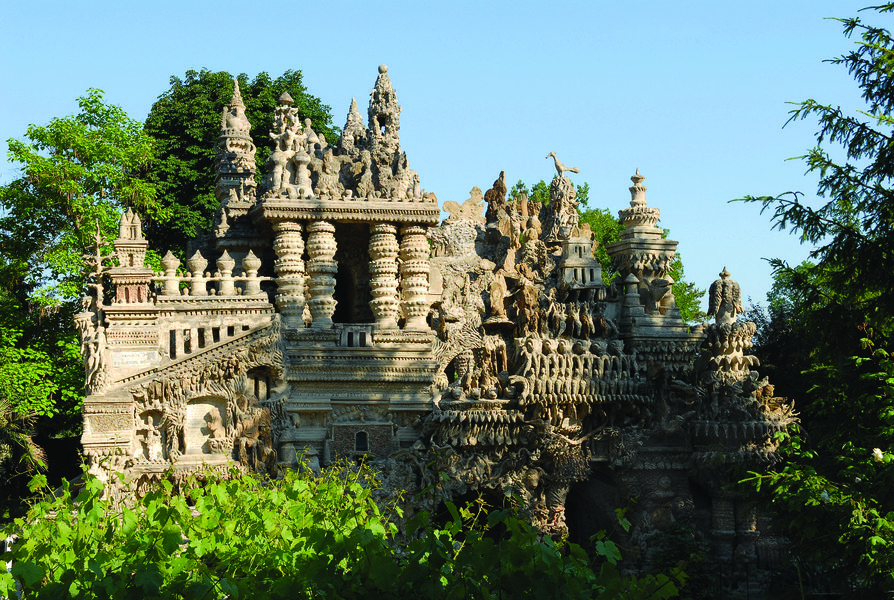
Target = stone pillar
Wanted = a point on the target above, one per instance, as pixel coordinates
(723, 523)
(225, 266)
(250, 266)
(179, 343)
(414, 271)
(197, 265)
(289, 266)
(171, 282)
(321, 267)
(383, 251)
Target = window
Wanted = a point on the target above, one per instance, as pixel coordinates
(361, 442)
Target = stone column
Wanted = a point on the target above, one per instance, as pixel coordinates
(723, 523)
(414, 272)
(383, 251)
(321, 267)
(289, 266)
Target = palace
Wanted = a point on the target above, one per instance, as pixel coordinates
(333, 317)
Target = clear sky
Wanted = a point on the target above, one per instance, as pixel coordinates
(692, 93)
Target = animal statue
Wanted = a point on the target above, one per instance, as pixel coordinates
(560, 167)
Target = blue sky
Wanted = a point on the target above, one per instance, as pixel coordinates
(692, 93)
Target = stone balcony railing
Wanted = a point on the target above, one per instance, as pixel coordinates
(200, 283)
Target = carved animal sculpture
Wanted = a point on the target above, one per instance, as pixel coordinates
(560, 167)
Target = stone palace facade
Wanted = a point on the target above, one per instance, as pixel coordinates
(333, 317)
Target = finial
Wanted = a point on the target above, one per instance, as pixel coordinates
(637, 190)
(236, 100)
(286, 99)
(724, 274)
(383, 69)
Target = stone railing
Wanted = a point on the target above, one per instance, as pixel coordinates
(200, 283)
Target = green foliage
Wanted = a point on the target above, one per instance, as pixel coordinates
(185, 123)
(300, 537)
(606, 229)
(679, 546)
(76, 172)
(835, 495)
(687, 297)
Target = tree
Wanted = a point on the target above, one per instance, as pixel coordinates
(78, 172)
(836, 494)
(185, 123)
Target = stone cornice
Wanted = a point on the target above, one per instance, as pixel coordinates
(347, 211)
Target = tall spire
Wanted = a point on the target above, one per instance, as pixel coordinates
(354, 134)
(384, 113)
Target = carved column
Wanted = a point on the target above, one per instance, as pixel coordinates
(289, 266)
(723, 522)
(383, 251)
(321, 267)
(414, 272)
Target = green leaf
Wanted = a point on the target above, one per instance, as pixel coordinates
(28, 572)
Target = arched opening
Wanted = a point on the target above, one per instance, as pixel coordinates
(361, 442)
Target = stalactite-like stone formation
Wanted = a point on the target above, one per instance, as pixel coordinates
(289, 266)
(414, 272)
(383, 252)
(321, 268)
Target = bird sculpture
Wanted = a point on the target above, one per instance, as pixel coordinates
(724, 299)
(560, 167)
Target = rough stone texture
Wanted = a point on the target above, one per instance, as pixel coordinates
(335, 321)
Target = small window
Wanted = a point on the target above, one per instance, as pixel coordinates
(215, 334)
(231, 331)
(187, 342)
(361, 442)
(201, 339)
(173, 343)
(363, 338)
(350, 339)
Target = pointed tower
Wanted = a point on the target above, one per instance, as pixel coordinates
(354, 135)
(384, 123)
(235, 187)
(643, 260)
(235, 153)
(130, 277)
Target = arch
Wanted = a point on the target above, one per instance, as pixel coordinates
(361, 442)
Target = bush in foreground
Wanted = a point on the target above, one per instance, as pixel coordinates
(304, 536)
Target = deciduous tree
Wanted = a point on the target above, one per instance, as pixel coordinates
(185, 124)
